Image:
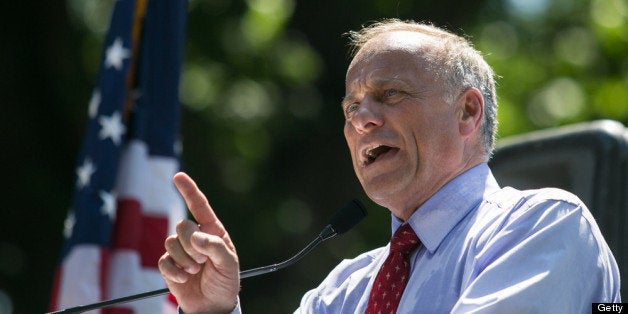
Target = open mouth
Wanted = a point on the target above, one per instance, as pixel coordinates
(375, 152)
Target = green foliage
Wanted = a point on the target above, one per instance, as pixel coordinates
(559, 61)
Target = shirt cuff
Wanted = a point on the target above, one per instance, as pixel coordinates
(237, 309)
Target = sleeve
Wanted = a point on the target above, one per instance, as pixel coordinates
(237, 309)
(549, 256)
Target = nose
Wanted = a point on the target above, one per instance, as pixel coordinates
(368, 116)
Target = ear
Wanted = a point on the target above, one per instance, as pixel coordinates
(471, 106)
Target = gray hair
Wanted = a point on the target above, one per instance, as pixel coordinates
(459, 66)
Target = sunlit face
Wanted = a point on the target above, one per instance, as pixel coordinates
(401, 132)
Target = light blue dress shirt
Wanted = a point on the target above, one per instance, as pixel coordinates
(487, 249)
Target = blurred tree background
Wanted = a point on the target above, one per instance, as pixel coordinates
(261, 128)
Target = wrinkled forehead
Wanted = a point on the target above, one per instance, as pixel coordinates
(407, 45)
(395, 51)
(403, 40)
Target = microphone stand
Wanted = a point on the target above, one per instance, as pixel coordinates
(327, 233)
(343, 220)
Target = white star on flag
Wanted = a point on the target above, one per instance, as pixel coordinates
(112, 127)
(116, 53)
(178, 147)
(68, 225)
(123, 173)
(108, 204)
(84, 173)
(94, 103)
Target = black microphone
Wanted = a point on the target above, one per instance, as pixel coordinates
(343, 220)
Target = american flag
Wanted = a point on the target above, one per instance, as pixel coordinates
(125, 204)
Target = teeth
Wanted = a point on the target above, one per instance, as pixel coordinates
(370, 152)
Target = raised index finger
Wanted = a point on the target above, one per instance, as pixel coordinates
(195, 200)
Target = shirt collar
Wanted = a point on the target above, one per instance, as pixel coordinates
(433, 220)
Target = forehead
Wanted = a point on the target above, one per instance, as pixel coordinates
(401, 40)
(394, 54)
(410, 42)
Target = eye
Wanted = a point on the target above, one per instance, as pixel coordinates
(351, 108)
(391, 92)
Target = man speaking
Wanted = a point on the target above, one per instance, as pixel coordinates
(420, 110)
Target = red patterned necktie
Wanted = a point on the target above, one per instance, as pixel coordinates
(392, 277)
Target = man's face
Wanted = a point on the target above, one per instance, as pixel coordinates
(401, 132)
